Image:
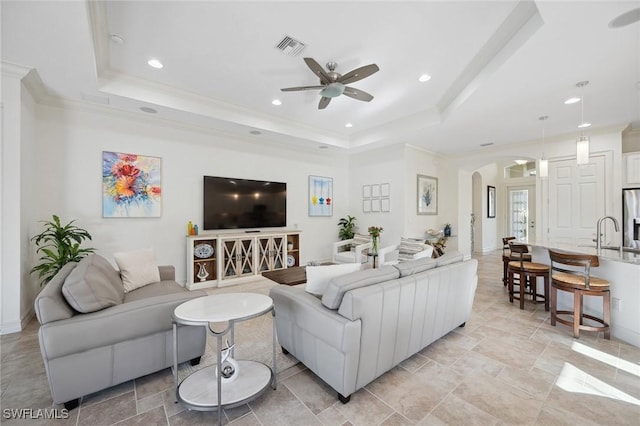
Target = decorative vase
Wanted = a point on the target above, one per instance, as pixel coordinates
(447, 231)
(289, 246)
(374, 245)
(202, 272)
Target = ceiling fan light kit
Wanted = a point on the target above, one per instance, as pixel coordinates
(334, 84)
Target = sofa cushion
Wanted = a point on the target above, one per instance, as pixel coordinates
(93, 285)
(318, 276)
(50, 304)
(414, 266)
(338, 286)
(137, 268)
(449, 258)
(410, 248)
(160, 288)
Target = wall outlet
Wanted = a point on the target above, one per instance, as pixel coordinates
(616, 304)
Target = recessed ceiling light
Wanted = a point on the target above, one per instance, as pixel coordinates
(255, 132)
(486, 144)
(424, 77)
(520, 162)
(583, 125)
(148, 110)
(323, 147)
(116, 39)
(155, 63)
(348, 125)
(276, 102)
(572, 100)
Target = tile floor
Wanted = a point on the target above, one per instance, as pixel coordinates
(506, 366)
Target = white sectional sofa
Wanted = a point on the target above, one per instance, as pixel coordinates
(369, 321)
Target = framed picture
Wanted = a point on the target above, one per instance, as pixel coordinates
(131, 185)
(384, 189)
(366, 191)
(320, 196)
(375, 191)
(375, 204)
(366, 206)
(427, 194)
(384, 205)
(491, 201)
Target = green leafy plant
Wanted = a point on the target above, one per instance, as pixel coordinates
(347, 227)
(59, 244)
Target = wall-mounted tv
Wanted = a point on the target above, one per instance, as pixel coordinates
(231, 203)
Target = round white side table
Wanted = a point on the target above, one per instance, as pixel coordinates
(205, 389)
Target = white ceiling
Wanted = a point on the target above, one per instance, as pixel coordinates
(496, 66)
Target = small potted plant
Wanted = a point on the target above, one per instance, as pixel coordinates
(59, 244)
(375, 232)
(347, 227)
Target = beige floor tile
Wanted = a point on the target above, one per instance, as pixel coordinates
(108, 412)
(154, 383)
(364, 409)
(190, 418)
(535, 382)
(313, 392)
(281, 407)
(455, 411)
(108, 393)
(331, 416)
(397, 420)
(155, 416)
(476, 363)
(503, 401)
(413, 363)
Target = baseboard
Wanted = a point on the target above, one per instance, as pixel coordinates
(12, 327)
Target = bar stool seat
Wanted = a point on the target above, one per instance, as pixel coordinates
(507, 256)
(581, 284)
(528, 273)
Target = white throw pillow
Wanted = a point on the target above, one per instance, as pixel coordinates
(318, 277)
(137, 268)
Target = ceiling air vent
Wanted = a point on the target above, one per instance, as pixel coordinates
(290, 46)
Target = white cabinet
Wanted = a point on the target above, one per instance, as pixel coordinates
(631, 169)
(214, 259)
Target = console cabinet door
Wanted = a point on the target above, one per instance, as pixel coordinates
(271, 252)
(237, 257)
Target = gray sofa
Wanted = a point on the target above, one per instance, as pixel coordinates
(121, 336)
(369, 321)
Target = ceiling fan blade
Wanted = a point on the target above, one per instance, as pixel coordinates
(359, 74)
(360, 95)
(318, 70)
(324, 101)
(295, 89)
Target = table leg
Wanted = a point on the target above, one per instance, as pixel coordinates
(273, 340)
(175, 361)
(219, 377)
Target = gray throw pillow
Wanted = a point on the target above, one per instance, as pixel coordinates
(93, 285)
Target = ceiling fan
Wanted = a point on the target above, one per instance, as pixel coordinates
(334, 84)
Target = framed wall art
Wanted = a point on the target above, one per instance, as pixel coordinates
(491, 201)
(131, 185)
(427, 194)
(320, 196)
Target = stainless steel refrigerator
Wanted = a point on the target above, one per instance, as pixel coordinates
(631, 217)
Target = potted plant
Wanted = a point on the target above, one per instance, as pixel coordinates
(347, 227)
(59, 244)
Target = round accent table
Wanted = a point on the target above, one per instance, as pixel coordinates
(205, 389)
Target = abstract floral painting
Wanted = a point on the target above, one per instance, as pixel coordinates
(427, 195)
(320, 196)
(131, 185)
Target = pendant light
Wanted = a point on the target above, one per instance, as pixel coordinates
(543, 164)
(582, 144)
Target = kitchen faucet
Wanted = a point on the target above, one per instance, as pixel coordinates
(599, 233)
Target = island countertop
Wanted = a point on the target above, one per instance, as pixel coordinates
(605, 253)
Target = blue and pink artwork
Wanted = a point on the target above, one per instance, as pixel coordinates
(320, 196)
(131, 185)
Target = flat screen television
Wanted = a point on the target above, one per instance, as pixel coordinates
(231, 203)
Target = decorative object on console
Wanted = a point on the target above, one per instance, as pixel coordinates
(320, 196)
(131, 185)
(427, 194)
(202, 272)
(203, 251)
(291, 261)
(59, 245)
(447, 230)
(491, 201)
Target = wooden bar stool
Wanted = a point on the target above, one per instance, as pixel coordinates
(528, 273)
(507, 257)
(580, 283)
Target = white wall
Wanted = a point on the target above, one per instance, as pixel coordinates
(69, 169)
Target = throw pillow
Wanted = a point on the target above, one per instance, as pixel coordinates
(93, 285)
(318, 277)
(137, 268)
(359, 239)
(409, 248)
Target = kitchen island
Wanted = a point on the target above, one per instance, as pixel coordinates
(622, 269)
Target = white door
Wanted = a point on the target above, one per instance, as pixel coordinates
(576, 200)
(522, 208)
